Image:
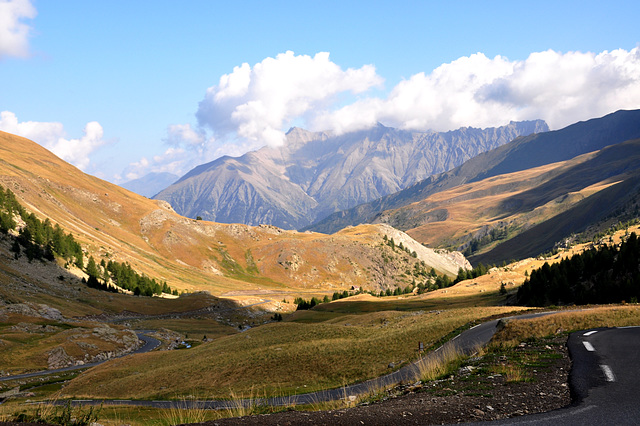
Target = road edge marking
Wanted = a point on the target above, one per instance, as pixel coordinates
(588, 346)
(608, 373)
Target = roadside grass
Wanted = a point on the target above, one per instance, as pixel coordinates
(511, 344)
(517, 331)
(280, 358)
(444, 361)
(52, 413)
(184, 414)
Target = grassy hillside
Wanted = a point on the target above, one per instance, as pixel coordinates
(115, 224)
(520, 155)
(522, 214)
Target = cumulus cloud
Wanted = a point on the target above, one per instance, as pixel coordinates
(252, 106)
(14, 33)
(561, 88)
(53, 137)
(255, 104)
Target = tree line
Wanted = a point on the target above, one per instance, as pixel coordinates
(36, 239)
(605, 274)
(41, 240)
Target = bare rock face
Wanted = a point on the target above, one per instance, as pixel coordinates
(58, 358)
(34, 310)
(443, 260)
(316, 174)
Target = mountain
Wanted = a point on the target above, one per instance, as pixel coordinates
(113, 223)
(315, 174)
(522, 198)
(150, 184)
(523, 153)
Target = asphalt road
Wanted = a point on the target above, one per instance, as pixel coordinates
(604, 380)
(468, 341)
(149, 344)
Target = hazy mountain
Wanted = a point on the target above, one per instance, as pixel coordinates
(523, 153)
(149, 185)
(316, 174)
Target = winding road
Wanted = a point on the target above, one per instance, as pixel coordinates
(467, 342)
(150, 344)
(604, 379)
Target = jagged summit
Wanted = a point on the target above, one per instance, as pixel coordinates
(315, 174)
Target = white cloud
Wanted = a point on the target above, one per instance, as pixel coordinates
(14, 33)
(255, 104)
(481, 92)
(252, 106)
(179, 134)
(52, 136)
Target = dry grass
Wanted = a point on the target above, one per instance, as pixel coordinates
(280, 358)
(184, 413)
(517, 331)
(440, 363)
(512, 373)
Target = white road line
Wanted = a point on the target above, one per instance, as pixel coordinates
(588, 346)
(590, 333)
(608, 373)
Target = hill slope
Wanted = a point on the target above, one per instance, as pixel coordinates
(316, 174)
(115, 224)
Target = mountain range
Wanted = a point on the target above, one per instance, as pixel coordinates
(521, 198)
(315, 174)
(113, 223)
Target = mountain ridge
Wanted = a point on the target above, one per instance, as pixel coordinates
(517, 155)
(316, 173)
(113, 223)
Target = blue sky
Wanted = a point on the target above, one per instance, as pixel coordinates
(123, 88)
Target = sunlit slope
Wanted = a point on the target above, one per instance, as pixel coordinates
(528, 211)
(117, 224)
(519, 155)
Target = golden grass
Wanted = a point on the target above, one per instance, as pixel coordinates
(184, 413)
(437, 365)
(519, 330)
(280, 358)
(474, 205)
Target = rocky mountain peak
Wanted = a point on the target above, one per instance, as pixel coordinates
(315, 174)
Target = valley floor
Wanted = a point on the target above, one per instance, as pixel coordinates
(483, 389)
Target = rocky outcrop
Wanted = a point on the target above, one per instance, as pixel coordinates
(33, 310)
(446, 261)
(316, 174)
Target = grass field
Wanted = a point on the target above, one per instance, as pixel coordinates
(279, 358)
